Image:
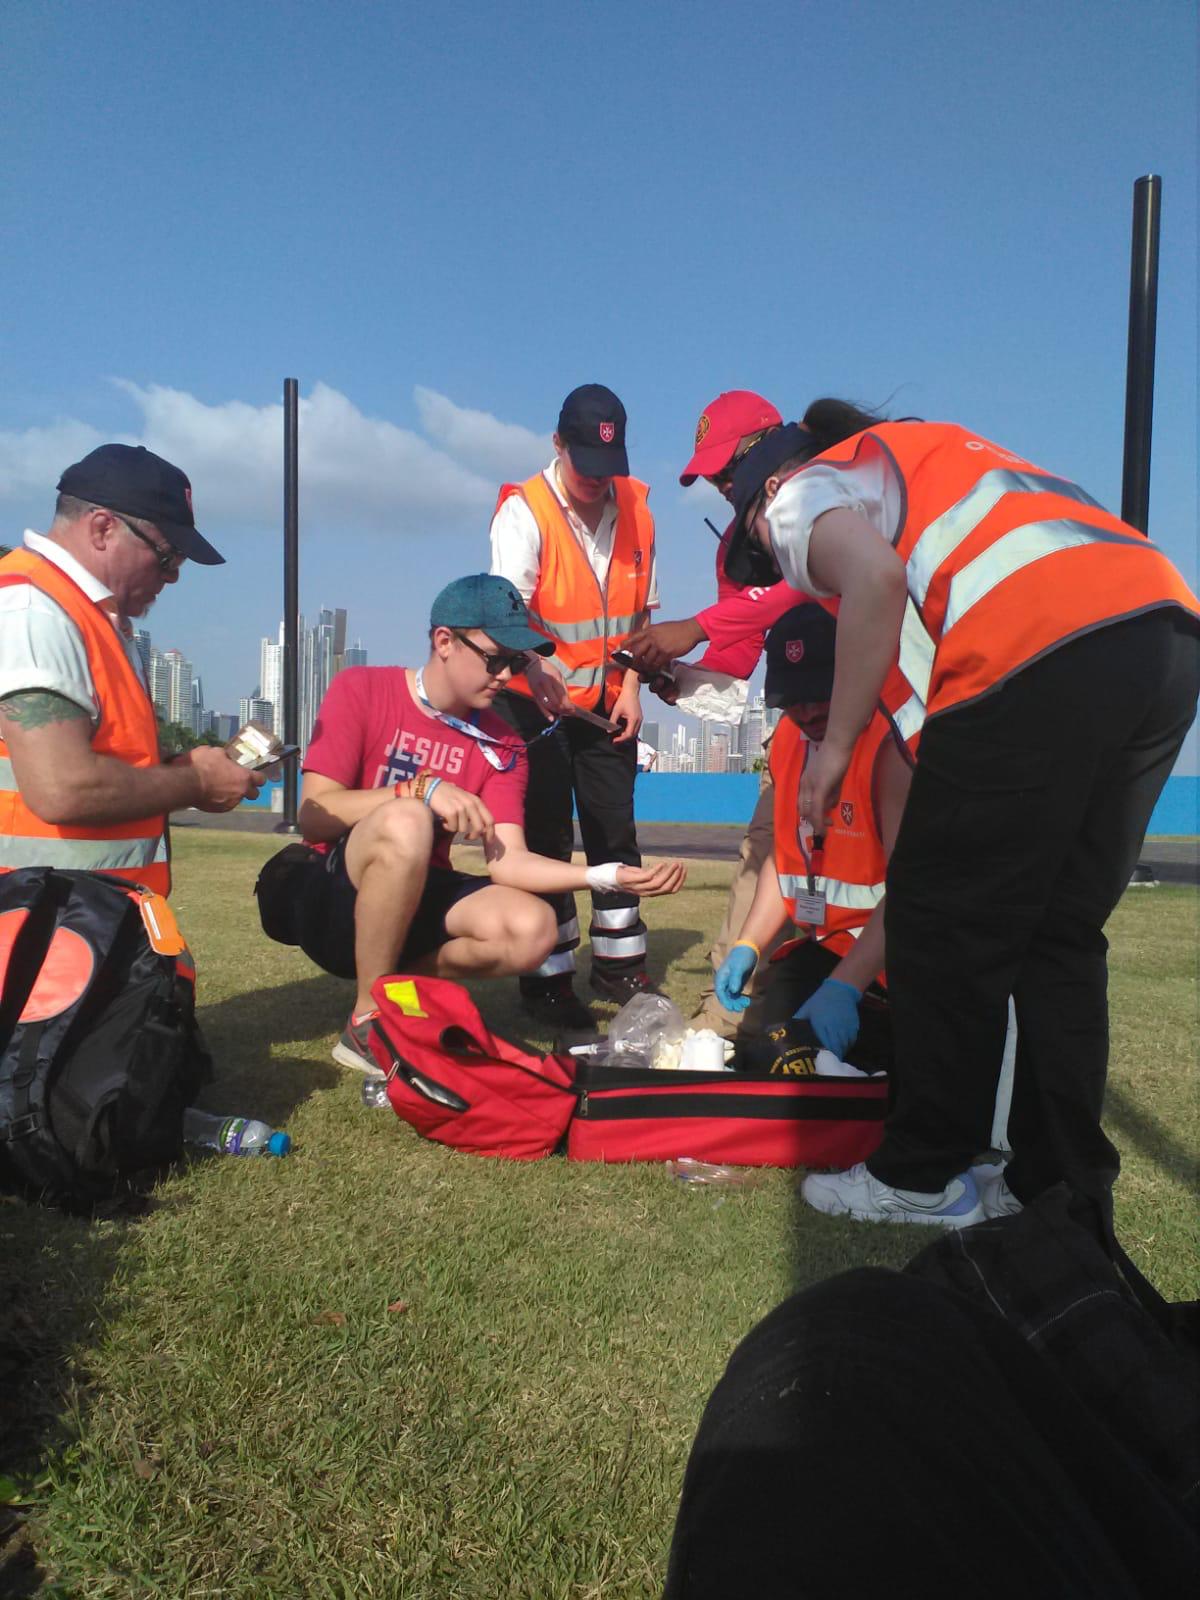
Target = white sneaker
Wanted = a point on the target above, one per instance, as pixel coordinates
(997, 1198)
(859, 1195)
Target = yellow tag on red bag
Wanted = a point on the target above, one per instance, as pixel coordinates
(402, 992)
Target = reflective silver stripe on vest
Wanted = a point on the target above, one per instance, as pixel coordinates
(582, 677)
(87, 855)
(569, 632)
(589, 628)
(1020, 548)
(845, 896)
(945, 533)
(916, 652)
(916, 664)
(8, 778)
(910, 718)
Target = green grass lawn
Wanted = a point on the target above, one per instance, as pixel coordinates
(377, 1368)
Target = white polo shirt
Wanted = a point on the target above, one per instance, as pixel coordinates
(868, 485)
(517, 541)
(40, 646)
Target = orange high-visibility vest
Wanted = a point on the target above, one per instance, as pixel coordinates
(587, 623)
(850, 868)
(128, 732)
(1004, 560)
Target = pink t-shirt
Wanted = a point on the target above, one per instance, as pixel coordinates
(370, 733)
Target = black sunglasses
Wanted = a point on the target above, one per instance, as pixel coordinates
(494, 660)
(169, 559)
(723, 479)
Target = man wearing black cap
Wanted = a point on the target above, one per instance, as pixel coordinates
(830, 886)
(81, 780)
(577, 541)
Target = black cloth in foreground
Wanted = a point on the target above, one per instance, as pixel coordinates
(877, 1435)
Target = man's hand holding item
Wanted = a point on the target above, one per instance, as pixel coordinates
(832, 1013)
(659, 643)
(547, 687)
(627, 710)
(733, 975)
(222, 783)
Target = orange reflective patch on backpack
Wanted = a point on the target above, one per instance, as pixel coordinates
(63, 976)
(158, 919)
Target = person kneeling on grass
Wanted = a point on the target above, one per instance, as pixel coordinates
(831, 886)
(402, 760)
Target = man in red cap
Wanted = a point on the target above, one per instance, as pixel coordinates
(749, 602)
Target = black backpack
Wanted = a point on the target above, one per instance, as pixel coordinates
(100, 1051)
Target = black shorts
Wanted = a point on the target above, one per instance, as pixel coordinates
(326, 919)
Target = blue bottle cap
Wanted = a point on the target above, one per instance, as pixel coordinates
(279, 1144)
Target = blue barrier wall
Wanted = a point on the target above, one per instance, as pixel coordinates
(730, 797)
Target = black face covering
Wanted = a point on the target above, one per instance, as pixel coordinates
(749, 565)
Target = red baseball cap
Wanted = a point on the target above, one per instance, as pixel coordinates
(725, 420)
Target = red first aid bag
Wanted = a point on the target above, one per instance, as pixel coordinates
(746, 1119)
(457, 1083)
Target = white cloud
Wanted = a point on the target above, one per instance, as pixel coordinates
(32, 459)
(357, 473)
(504, 450)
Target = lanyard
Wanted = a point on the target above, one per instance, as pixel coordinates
(485, 741)
(813, 863)
(487, 744)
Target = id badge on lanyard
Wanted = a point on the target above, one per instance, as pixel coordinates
(810, 906)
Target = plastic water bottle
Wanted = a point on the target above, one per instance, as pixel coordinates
(374, 1094)
(233, 1136)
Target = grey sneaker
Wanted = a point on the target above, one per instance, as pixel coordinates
(859, 1194)
(353, 1048)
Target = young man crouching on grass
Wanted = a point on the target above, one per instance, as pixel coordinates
(400, 761)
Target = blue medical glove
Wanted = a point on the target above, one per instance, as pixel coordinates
(732, 976)
(832, 1012)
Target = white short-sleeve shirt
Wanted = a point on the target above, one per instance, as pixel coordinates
(869, 485)
(517, 542)
(40, 646)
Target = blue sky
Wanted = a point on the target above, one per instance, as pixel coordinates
(442, 219)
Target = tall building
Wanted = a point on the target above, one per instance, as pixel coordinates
(171, 686)
(253, 708)
(356, 655)
(651, 734)
(751, 731)
(270, 678)
(198, 723)
(142, 640)
(159, 683)
(322, 649)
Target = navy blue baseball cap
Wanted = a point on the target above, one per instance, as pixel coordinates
(800, 657)
(592, 426)
(745, 561)
(491, 603)
(131, 479)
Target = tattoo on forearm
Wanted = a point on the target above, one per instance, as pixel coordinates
(37, 708)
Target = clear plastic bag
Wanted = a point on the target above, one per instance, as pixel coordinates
(643, 1028)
